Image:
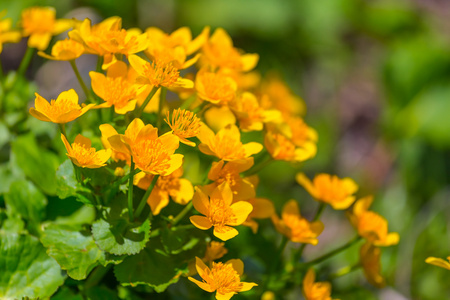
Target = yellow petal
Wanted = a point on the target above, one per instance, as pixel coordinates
(66, 144)
(157, 200)
(246, 286)
(225, 232)
(307, 184)
(237, 264)
(202, 285)
(241, 210)
(84, 141)
(137, 63)
(249, 61)
(40, 116)
(262, 208)
(201, 202)
(201, 222)
(438, 262)
(252, 148)
(290, 208)
(225, 296)
(184, 193)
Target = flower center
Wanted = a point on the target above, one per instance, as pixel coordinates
(118, 91)
(372, 226)
(85, 156)
(151, 156)
(185, 124)
(286, 147)
(60, 107)
(227, 146)
(218, 87)
(160, 73)
(223, 278)
(220, 214)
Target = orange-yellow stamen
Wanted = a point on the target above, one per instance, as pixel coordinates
(223, 278)
(161, 73)
(185, 124)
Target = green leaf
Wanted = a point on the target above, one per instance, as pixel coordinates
(101, 293)
(37, 163)
(114, 233)
(74, 251)
(4, 134)
(67, 184)
(27, 271)
(176, 240)
(150, 267)
(26, 200)
(66, 294)
(118, 236)
(7, 176)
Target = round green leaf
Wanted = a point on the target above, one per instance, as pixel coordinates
(27, 271)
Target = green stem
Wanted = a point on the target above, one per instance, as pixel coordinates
(130, 191)
(80, 80)
(335, 251)
(275, 262)
(98, 68)
(146, 195)
(261, 165)
(344, 271)
(187, 103)
(162, 99)
(96, 276)
(299, 253)
(181, 215)
(147, 100)
(62, 128)
(25, 61)
(157, 231)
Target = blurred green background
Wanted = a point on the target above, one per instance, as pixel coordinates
(375, 76)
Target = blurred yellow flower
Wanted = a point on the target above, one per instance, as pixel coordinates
(218, 52)
(62, 110)
(215, 87)
(64, 50)
(224, 279)
(219, 212)
(439, 262)
(330, 189)
(369, 256)
(107, 39)
(40, 24)
(282, 148)
(370, 225)
(179, 189)
(251, 116)
(81, 153)
(115, 88)
(158, 73)
(226, 144)
(229, 172)
(295, 227)
(6, 34)
(262, 209)
(151, 153)
(315, 290)
(184, 125)
(214, 251)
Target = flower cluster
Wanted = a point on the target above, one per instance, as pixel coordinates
(217, 105)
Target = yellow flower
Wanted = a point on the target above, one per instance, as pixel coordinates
(251, 116)
(215, 87)
(64, 50)
(370, 261)
(224, 279)
(229, 172)
(115, 88)
(282, 144)
(214, 251)
(184, 125)
(62, 110)
(219, 212)
(81, 153)
(439, 262)
(179, 189)
(219, 52)
(279, 96)
(218, 117)
(107, 132)
(39, 23)
(315, 290)
(158, 73)
(107, 38)
(370, 225)
(226, 144)
(262, 209)
(295, 227)
(300, 133)
(330, 189)
(6, 34)
(151, 154)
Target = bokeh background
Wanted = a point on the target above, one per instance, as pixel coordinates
(375, 77)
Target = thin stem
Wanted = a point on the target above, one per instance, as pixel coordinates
(80, 79)
(187, 103)
(147, 100)
(62, 128)
(319, 211)
(335, 251)
(130, 191)
(275, 262)
(181, 215)
(25, 61)
(96, 276)
(257, 168)
(146, 195)
(344, 271)
(162, 99)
